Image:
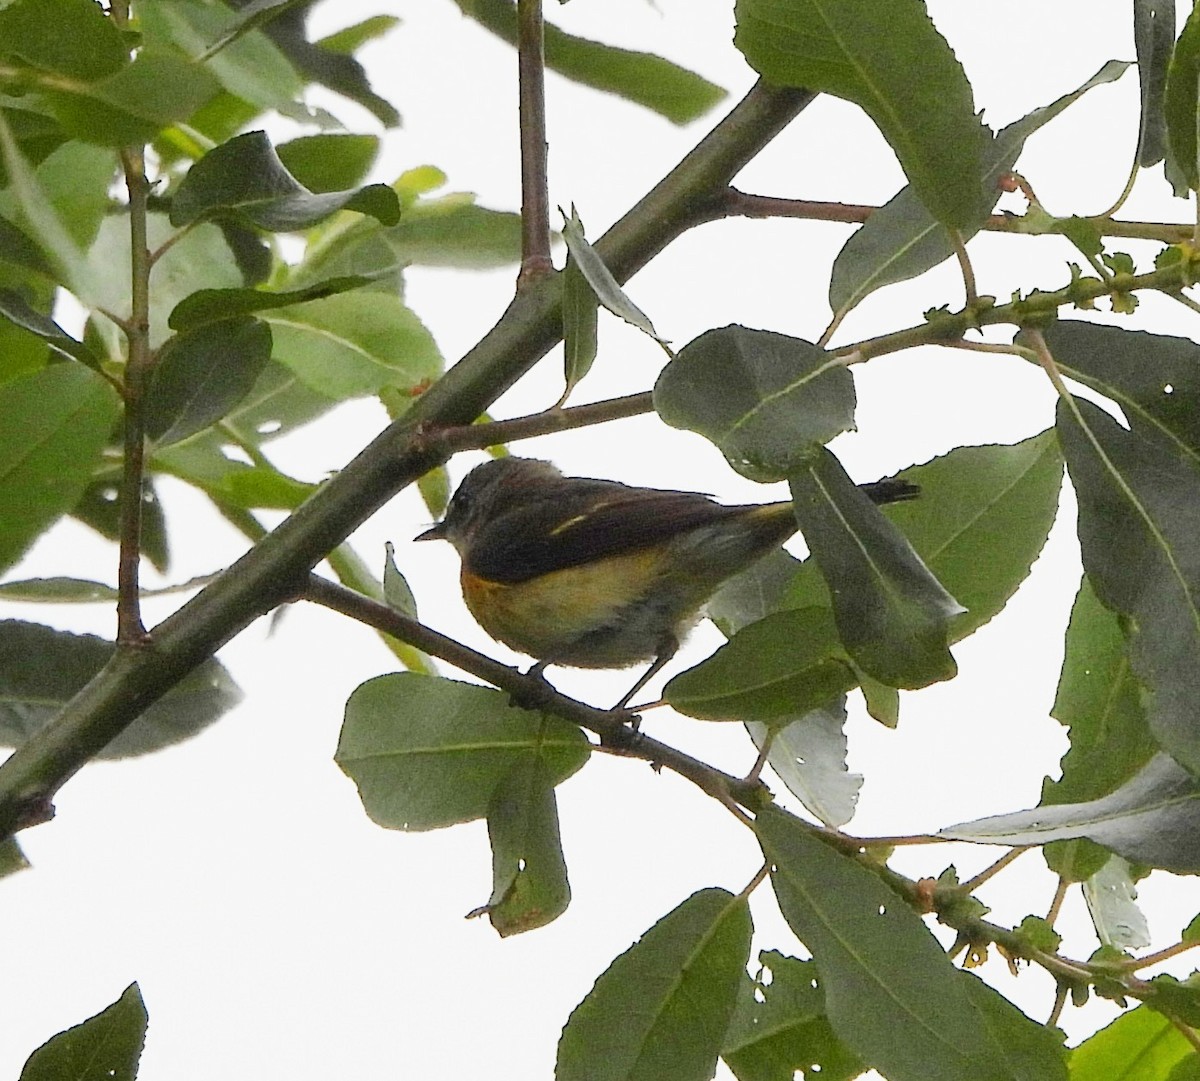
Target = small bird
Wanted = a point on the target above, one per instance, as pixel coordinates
(597, 574)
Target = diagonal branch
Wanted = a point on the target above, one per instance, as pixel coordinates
(277, 568)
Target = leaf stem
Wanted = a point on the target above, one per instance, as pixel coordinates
(1056, 902)
(1135, 963)
(972, 884)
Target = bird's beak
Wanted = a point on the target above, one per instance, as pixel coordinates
(438, 532)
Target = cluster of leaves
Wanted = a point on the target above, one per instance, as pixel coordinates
(246, 346)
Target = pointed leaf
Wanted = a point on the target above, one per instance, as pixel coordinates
(902, 239)
(1140, 1045)
(1180, 100)
(580, 309)
(1153, 819)
(353, 344)
(1154, 378)
(70, 37)
(427, 752)
(202, 374)
(847, 50)
(246, 177)
(396, 592)
(1099, 699)
(1111, 899)
(608, 292)
(12, 859)
(331, 161)
(674, 92)
(529, 873)
(32, 693)
(763, 398)
(1139, 527)
(215, 305)
(135, 103)
(54, 424)
(891, 994)
(660, 1010)
(773, 670)
(779, 1027)
(1154, 40)
(106, 1047)
(809, 757)
(14, 308)
(892, 614)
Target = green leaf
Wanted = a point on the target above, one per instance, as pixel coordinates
(1140, 1045)
(1099, 699)
(979, 523)
(1139, 528)
(1154, 378)
(1025, 1050)
(100, 508)
(353, 344)
(330, 161)
(106, 1047)
(447, 232)
(891, 994)
(214, 305)
(847, 50)
(252, 68)
(1154, 40)
(779, 1027)
(14, 308)
(766, 400)
(660, 1010)
(69, 37)
(41, 219)
(580, 309)
(32, 693)
(54, 423)
(674, 92)
(902, 239)
(19, 250)
(606, 288)
(75, 180)
(135, 103)
(202, 374)
(785, 664)
(57, 591)
(529, 873)
(244, 176)
(1180, 100)
(1112, 903)
(12, 859)
(1152, 819)
(352, 38)
(396, 592)
(809, 757)
(202, 461)
(427, 752)
(892, 614)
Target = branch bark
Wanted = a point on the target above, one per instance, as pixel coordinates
(277, 568)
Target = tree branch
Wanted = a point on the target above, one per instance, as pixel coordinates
(535, 197)
(533, 692)
(277, 568)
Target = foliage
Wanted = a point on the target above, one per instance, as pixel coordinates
(265, 287)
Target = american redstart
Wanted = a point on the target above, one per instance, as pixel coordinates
(597, 574)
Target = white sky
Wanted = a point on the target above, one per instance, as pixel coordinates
(274, 930)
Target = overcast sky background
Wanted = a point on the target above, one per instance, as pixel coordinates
(274, 930)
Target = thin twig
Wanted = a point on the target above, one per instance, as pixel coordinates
(1056, 903)
(130, 629)
(972, 884)
(533, 692)
(1060, 1000)
(964, 265)
(741, 204)
(1135, 963)
(535, 196)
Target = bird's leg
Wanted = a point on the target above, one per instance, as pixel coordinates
(666, 650)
